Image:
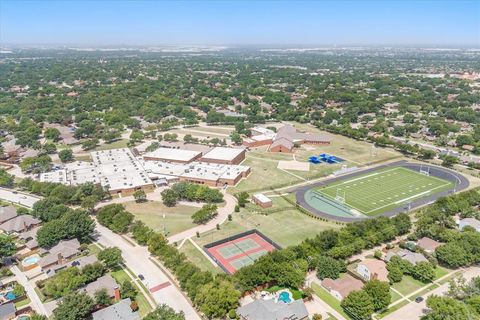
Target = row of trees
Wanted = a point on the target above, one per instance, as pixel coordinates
(361, 304)
(190, 192)
(205, 214)
(115, 217)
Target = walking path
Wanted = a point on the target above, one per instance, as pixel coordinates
(223, 212)
(35, 300)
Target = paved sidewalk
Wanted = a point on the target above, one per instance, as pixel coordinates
(36, 303)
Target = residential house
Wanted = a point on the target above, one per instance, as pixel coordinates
(121, 310)
(340, 288)
(81, 262)
(7, 213)
(57, 255)
(104, 282)
(269, 309)
(20, 224)
(7, 311)
(412, 257)
(371, 269)
(428, 245)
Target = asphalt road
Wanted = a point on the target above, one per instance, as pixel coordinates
(21, 198)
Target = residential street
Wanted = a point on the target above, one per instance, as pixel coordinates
(137, 259)
(415, 310)
(23, 199)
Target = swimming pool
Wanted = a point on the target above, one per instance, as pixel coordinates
(285, 297)
(30, 260)
(9, 296)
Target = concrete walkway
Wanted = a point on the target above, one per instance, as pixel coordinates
(223, 212)
(36, 303)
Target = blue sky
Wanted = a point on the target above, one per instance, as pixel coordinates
(240, 22)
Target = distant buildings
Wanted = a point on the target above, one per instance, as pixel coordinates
(340, 288)
(120, 172)
(262, 200)
(284, 140)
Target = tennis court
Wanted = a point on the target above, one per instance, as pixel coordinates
(384, 189)
(240, 250)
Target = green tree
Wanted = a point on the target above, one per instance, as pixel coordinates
(169, 197)
(52, 133)
(102, 297)
(216, 299)
(447, 308)
(164, 312)
(6, 179)
(205, 214)
(424, 271)
(111, 257)
(140, 196)
(379, 291)
(329, 267)
(75, 306)
(128, 290)
(359, 305)
(66, 155)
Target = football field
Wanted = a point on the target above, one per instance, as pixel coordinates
(376, 192)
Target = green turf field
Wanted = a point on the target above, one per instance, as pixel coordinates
(382, 190)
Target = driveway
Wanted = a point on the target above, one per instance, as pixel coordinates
(137, 259)
(415, 310)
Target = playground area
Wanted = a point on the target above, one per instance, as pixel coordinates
(240, 250)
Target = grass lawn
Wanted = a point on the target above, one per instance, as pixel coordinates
(424, 291)
(122, 143)
(197, 258)
(213, 129)
(286, 228)
(408, 285)
(440, 272)
(40, 294)
(94, 249)
(329, 299)
(177, 219)
(392, 309)
(354, 151)
(22, 303)
(395, 296)
(450, 277)
(144, 307)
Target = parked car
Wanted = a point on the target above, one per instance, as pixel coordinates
(141, 277)
(418, 299)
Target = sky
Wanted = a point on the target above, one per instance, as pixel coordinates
(236, 23)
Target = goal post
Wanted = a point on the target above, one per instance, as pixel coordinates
(425, 171)
(340, 195)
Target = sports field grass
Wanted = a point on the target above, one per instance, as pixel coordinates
(382, 190)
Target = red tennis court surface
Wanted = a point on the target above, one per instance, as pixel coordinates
(233, 254)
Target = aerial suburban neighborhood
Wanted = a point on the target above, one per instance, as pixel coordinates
(335, 178)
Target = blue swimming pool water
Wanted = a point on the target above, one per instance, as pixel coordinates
(9, 296)
(284, 297)
(30, 260)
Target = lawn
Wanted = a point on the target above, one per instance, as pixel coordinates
(408, 285)
(213, 129)
(177, 219)
(94, 249)
(395, 296)
(384, 189)
(144, 307)
(357, 152)
(286, 228)
(440, 272)
(22, 303)
(197, 258)
(392, 309)
(329, 299)
(122, 143)
(424, 291)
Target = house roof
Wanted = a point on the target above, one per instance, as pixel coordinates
(7, 311)
(268, 309)
(19, 223)
(104, 282)
(377, 267)
(282, 142)
(428, 244)
(7, 213)
(344, 285)
(30, 234)
(83, 261)
(412, 257)
(118, 311)
(66, 248)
